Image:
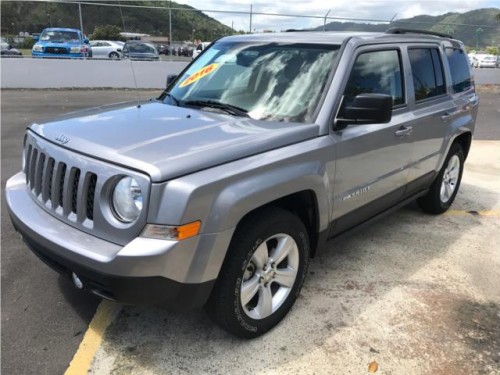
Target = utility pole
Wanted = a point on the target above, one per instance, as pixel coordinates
(170, 27)
(80, 12)
(478, 31)
(251, 18)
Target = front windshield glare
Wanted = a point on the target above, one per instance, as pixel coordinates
(59, 36)
(279, 82)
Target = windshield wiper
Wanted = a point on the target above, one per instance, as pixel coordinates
(229, 108)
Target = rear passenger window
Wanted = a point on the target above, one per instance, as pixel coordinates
(427, 72)
(377, 72)
(459, 66)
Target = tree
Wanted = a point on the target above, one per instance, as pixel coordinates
(107, 32)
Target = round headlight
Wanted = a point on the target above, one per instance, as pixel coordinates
(127, 200)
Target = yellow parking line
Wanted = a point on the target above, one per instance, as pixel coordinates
(80, 364)
(488, 213)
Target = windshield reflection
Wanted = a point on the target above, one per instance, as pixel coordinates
(268, 81)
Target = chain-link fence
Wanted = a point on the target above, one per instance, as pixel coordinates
(177, 28)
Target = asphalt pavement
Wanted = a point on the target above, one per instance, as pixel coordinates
(44, 317)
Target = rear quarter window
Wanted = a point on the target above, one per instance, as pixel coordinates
(459, 67)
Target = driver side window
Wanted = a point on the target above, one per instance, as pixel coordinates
(377, 72)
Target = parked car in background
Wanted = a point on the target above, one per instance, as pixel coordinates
(106, 49)
(486, 62)
(199, 49)
(185, 50)
(6, 49)
(62, 42)
(137, 50)
(162, 49)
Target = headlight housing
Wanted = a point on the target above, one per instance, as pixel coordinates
(37, 48)
(127, 200)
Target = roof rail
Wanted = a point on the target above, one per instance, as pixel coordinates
(399, 30)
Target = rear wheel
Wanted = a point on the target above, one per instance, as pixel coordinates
(262, 275)
(445, 188)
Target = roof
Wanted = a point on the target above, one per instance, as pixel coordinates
(61, 29)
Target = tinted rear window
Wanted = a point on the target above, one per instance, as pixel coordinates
(427, 72)
(459, 66)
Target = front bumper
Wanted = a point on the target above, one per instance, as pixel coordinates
(178, 275)
(60, 55)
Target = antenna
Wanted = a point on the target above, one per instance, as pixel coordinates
(135, 84)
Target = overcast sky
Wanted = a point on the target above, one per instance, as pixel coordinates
(375, 9)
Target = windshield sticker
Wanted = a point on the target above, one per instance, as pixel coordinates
(199, 74)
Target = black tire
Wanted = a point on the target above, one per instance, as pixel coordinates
(114, 55)
(433, 202)
(224, 306)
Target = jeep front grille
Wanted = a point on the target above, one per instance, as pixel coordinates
(62, 188)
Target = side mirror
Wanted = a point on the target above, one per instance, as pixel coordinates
(171, 78)
(369, 109)
(36, 37)
(86, 41)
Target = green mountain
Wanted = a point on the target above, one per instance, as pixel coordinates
(463, 26)
(187, 22)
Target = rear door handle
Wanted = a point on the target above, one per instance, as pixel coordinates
(404, 131)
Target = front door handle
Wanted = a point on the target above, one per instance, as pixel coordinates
(404, 131)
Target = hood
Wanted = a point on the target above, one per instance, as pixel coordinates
(166, 141)
(48, 43)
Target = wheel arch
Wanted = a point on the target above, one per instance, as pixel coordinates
(464, 140)
(304, 205)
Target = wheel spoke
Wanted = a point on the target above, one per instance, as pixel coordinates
(261, 256)
(285, 277)
(265, 305)
(449, 191)
(454, 174)
(285, 245)
(249, 289)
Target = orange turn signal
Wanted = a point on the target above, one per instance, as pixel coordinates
(168, 232)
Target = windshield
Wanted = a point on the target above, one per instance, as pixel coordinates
(59, 36)
(141, 48)
(268, 81)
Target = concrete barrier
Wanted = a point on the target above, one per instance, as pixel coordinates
(62, 73)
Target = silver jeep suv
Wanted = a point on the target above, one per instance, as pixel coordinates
(258, 155)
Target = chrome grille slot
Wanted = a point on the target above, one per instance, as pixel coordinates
(61, 178)
(75, 178)
(92, 182)
(39, 173)
(32, 169)
(47, 182)
(27, 164)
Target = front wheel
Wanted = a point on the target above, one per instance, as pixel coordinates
(114, 55)
(444, 189)
(262, 275)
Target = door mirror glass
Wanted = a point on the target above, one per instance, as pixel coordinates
(171, 78)
(369, 109)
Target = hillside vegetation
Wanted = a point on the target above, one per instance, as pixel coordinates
(456, 24)
(187, 24)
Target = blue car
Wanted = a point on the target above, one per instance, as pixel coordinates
(62, 42)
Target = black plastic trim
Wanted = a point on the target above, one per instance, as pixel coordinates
(150, 291)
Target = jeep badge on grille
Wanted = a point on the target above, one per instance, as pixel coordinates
(62, 139)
